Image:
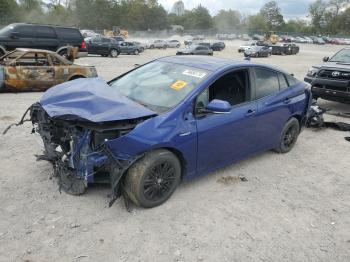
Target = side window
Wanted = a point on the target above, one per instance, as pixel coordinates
(25, 31)
(292, 80)
(266, 82)
(33, 59)
(45, 32)
(69, 33)
(233, 87)
(55, 61)
(106, 40)
(283, 81)
(96, 40)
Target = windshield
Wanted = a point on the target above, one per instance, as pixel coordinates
(159, 85)
(343, 56)
(6, 30)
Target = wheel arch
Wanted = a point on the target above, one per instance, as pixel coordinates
(76, 76)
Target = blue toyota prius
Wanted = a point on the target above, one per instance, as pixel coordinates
(172, 119)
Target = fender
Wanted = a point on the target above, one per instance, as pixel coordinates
(3, 50)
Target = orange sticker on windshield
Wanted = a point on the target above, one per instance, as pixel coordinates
(178, 85)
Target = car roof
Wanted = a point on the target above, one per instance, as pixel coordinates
(212, 63)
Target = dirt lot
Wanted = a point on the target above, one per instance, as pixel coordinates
(294, 207)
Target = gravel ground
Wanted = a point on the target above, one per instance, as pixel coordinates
(294, 207)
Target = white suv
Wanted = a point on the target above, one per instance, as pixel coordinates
(158, 44)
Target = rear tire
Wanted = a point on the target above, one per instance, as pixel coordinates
(289, 136)
(114, 53)
(151, 180)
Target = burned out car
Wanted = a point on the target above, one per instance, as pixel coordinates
(173, 119)
(331, 80)
(37, 70)
(258, 51)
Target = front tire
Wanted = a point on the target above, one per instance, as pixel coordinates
(289, 136)
(152, 180)
(136, 52)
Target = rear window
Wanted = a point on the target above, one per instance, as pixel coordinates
(69, 33)
(292, 80)
(283, 81)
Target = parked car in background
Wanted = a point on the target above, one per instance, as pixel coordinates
(24, 70)
(285, 49)
(130, 48)
(48, 37)
(300, 40)
(330, 80)
(118, 39)
(245, 37)
(258, 51)
(158, 44)
(218, 46)
(103, 46)
(173, 43)
(170, 120)
(88, 33)
(195, 50)
(142, 46)
(319, 41)
(246, 46)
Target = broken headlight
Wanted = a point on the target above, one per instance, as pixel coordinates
(312, 72)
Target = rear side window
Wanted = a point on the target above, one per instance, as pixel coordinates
(25, 31)
(266, 82)
(45, 32)
(69, 33)
(283, 81)
(106, 40)
(292, 81)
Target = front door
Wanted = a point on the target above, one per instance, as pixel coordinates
(228, 137)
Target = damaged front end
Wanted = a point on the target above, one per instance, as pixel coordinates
(78, 152)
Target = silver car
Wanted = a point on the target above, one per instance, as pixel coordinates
(195, 50)
(158, 44)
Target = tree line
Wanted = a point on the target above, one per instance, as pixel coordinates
(326, 16)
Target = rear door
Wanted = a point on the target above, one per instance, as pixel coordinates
(274, 103)
(46, 38)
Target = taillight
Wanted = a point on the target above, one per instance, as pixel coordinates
(83, 45)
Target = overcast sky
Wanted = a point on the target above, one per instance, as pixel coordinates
(290, 8)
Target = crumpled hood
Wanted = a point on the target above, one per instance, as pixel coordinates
(90, 99)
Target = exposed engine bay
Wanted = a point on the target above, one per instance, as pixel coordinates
(78, 153)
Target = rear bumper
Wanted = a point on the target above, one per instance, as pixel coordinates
(82, 54)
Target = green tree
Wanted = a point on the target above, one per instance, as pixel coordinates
(272, 15)
(8, 11)
(257, 23)
(227, 20)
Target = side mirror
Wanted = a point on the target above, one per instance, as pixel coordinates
(217, 106)
(14, 35)
(325, 59)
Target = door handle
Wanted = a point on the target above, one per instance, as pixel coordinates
(250, 112)
(287, 100)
